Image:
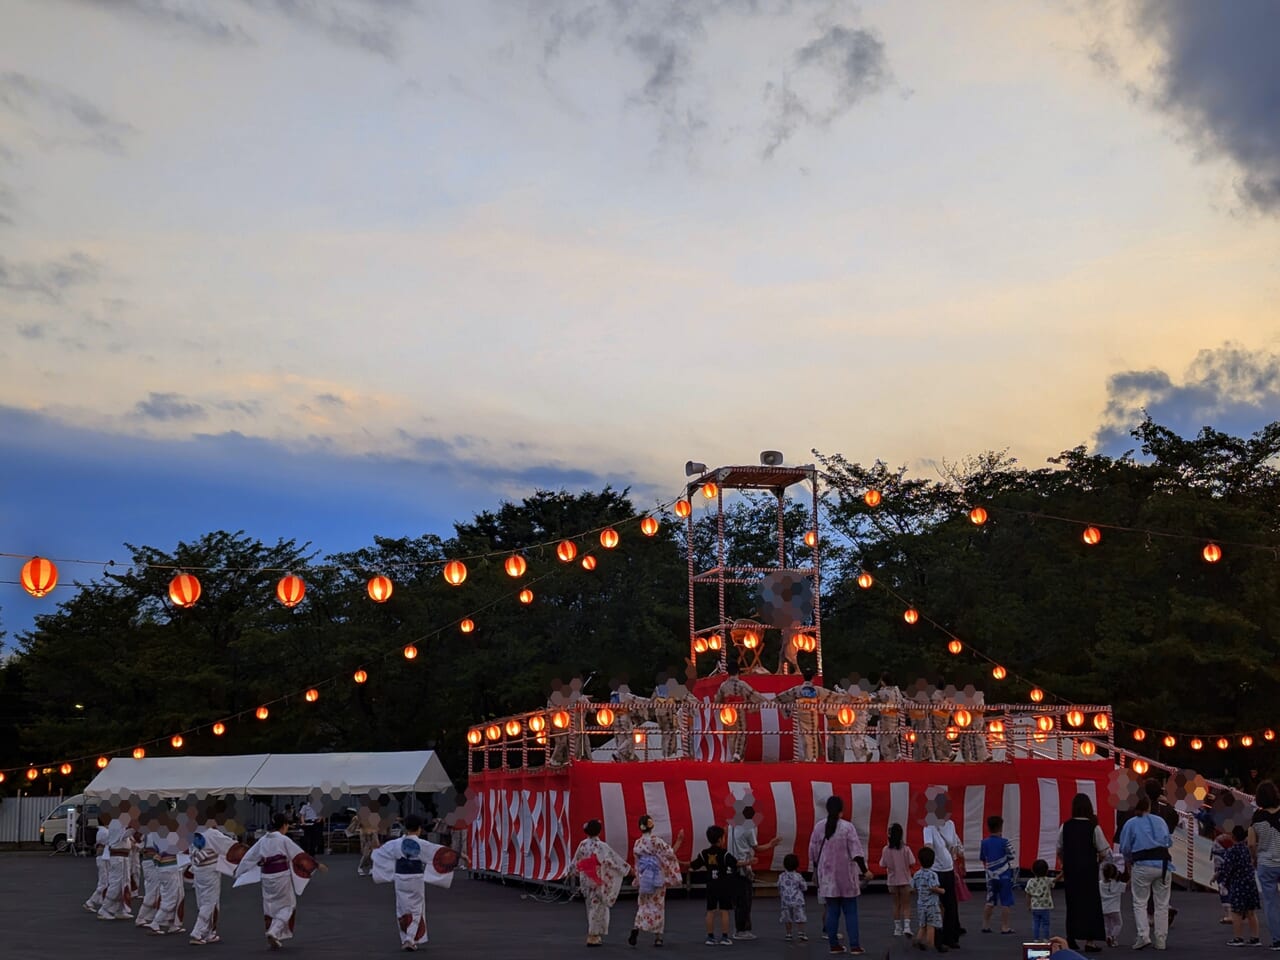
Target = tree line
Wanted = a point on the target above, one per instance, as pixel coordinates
(1139, 621)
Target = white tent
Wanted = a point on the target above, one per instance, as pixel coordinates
(170, 777)
(295, 774)
(278, 774)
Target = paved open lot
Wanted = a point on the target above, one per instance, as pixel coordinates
(342, 915)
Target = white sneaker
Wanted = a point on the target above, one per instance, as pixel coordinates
(744, 935)
(1160, 943)
(897, 928)
(1141, 944)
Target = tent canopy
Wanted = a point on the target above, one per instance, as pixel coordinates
(277, 774)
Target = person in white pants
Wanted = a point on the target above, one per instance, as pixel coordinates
(117, 902)
(1145, 843)
(94, 903)
(150, 882)
(173, 898)
(208, 850)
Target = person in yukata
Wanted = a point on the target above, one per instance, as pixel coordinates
(168, 873)
(117, 902)
(149, 847)
(600, 871)
(889, 701)
(94, 903)
(208, 851)
(735, 691)
(410, 862)
(283, 869)
(808, 698)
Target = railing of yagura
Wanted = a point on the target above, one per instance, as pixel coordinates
(850, 731)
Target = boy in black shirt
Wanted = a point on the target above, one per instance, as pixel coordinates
(722, 879)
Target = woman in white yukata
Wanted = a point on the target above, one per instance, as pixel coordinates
(656, 868)
(600, 871)
(94, 903)
(117, 903)
(284, 870)
(209, 848)
(411, 862)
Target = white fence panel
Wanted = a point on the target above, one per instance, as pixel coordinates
(20, 817)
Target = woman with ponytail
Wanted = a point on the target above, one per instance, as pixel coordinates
(835, 849)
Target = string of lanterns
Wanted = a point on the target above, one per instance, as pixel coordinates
(290, 591)
(1091, 536)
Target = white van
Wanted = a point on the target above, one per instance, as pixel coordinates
(54, 828)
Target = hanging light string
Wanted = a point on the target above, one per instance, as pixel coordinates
(301, 692)
(1203, 739)
(638, 519)
(1273, 549)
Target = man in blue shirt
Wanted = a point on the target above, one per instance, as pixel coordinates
(1145, 843)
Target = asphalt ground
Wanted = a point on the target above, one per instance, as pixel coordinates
(342, 915)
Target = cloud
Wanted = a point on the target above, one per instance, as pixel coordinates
(1219, 75)
(848, 65)
(1231, 388)
(169, 406)
(179, 16)
(369, 25)
(49, 280)
(30, 97)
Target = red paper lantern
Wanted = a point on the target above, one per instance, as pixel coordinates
(865, 580)
(999, 672)
(65, 769)
(1170, 741)
(751, 640)
(360, 676)
(604, 717)
(588, 562)
(963, 718)
(1044, 723)
(537, 723)
(467, 626)
(560, 719)
(1223, 743)
(1087, 748)
(184, 590)
(608, 538)
(1036, 694)
(513, 728)
(290, 590)
(911, 615)
(846, 716)
(699, 645)
(1268, 734)
(649, 526)
(954, 647)
(1197, 744)
(728, 716)
(1101, 722)
(138, 753)
(872, 498)
(474, 736)
(526, 596)
(977, 516)
(811, 538)
(566, 550)
(455, 573)
(1140, 767)
(515, 565)
(493, 731)
(1091, 536)
(312, 695)
(262, 713)
(410, 652)
(1075, 718)
(683, 508)
(1139, 734)
(39, 576)
(33, 773)
(1246, 741)
(1212, 553)
(219, 729)
(709, 491)
(176, 741)
(379, 589)
(102, 763)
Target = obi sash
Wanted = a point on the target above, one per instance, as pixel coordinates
(119, 851)
(148, 853)
(278, 863)
(166, 859)
(406, 867)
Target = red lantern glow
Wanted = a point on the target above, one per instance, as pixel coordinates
(1197, 744)
(290, 590)
(560, 719)
(999, 672)
(954, 647)
(1170, 741)
(1212, 553)
(566, 550)
(184, 590)
(846, 716)
(1075, 718)
(683, 508)
(728, 716)
(1101, 722)
(379, 589)
(911, 615)
(1246, 741)
(1223, 743)
(493, 731)
(872, 498)
(102, 763)
(65, 769)
(963, 718)
(312, 695)
(865, 580)
(360, 676)
(33, 773)
(455, 573)
(513, 728)
(410, 652)
(588, 562)
(219, 729)
(811, 538)
(1091, 536)
(1044, 723)
(526, 596)
(1087, 748)
(1139, 734)
(649, 526)
(699, 645)
(604, 717)
(608, 538)
(39, 576)
(176, 741)
(139, 753)
(262, 713)
(474, 736)
(1140, 767)
(515, 566)
(977, 516)
(709, 491)
(1037, 695)
(467, 626)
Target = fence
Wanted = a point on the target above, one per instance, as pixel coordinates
(20, 817)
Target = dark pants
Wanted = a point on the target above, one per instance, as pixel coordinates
(313, 838)
(742, 904)
(950, 932)
(831, 922)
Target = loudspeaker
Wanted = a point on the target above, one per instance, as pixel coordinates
(770, 458)
(694, 469)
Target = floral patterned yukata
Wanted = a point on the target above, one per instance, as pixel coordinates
(600, 870)
(651, 908)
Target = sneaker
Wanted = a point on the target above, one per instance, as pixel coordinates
(803, 938)
(1141, 944)
(1160, 943)
(786, 938)
(856, 950)
(1236, 942)
(727, 941)
(1255, 942)
(744, 935)
(712, 940)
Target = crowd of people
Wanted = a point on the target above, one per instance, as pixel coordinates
(839, 723)
(147, 866)
(1093, 874)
